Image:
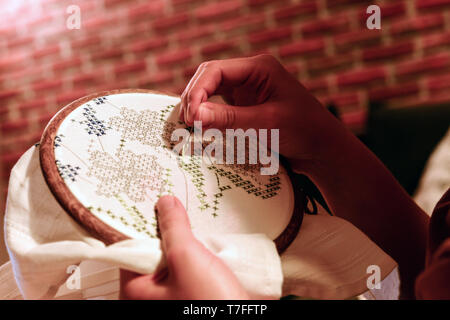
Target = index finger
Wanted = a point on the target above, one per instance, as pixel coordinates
(209, 77)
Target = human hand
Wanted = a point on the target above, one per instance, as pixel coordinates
(261, 95)
(192, 272)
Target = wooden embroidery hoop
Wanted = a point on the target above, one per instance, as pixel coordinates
(96, 226)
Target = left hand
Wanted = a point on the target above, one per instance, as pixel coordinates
(193, 272)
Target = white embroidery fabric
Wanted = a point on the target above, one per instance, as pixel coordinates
(327, 260)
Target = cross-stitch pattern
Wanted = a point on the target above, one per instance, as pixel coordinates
(67, 172)
(145, 126)
(130, 174)
(120, 151)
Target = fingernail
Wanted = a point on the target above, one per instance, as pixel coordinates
(205, 114)
(165, 203)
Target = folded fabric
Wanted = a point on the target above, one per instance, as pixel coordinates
(328, 259)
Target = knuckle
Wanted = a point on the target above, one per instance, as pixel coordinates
(267, 61)
(265, 57)
(229, 118)
(209, 64)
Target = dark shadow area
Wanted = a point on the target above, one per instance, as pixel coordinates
(405, 138)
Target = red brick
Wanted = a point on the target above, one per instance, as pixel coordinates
(259, 3)
(388, 10)
(217, 47)
(147, 10)
(112, 85)
(250, 22)
(401, 90)
(100, 21)
(149, 44)
(32, 105)
(355, 120)
(9, 160)
(45, 85)
(361, 76)
(46, 52)
(218, 10)
(336, 3)
(112, 3)
(438, 83)
(67, 64)
(20, 41)
(42, 19)
(270, 35)
(130, 67)
(12, 63)
(388, 52)
(170, 22)
(180, 5)
(436, 40)
(87, 79)
(9, 93)
(3, 112)
(302, 47)
(432, 4)
(428, 64)
(363, 37)
(393, 9)
(8, 32)
(159, 78)
(174, 57)
(342, 100)
(139, 30)
(334, 24)
(14, 126)
(111, 53)
(296, 10)
(45, 118)
(422, 23)
(30, 73)
(90, 41)
(330, 64)
(68, 97)
(193, 34)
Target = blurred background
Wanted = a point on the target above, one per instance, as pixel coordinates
(389, 86)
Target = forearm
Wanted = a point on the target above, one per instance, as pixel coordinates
(359, 188)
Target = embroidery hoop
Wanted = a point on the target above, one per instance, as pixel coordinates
(95, 225)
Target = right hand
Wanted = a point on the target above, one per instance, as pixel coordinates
(261, 95)
(193, 272)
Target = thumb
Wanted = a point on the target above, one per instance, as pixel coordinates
(223, 116)
(134, 286)
(173, 223)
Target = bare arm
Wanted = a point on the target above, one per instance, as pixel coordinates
(356, 185)
(359, 188)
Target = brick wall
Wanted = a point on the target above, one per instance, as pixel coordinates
(159, 43)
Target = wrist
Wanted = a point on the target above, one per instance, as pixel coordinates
(325, 137)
